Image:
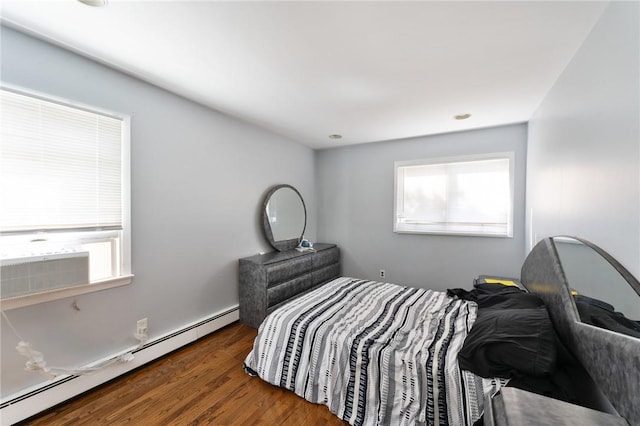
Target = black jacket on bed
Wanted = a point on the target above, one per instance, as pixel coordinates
(513, 337)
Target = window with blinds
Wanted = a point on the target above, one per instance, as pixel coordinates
(470, 195)
(63, 182)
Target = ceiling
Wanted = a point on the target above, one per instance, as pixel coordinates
(369, 71)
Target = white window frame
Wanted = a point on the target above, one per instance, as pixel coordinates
(124, 273)
(444, 229)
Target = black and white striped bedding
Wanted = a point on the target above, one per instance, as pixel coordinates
(374, 353)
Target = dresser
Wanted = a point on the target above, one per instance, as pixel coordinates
(271, 279)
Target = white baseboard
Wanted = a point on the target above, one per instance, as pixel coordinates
(35, 400)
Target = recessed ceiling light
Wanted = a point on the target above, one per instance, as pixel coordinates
(336, 136)
(94, 3)
(462, 116)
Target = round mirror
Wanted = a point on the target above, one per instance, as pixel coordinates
(605, 293)
(284, 217)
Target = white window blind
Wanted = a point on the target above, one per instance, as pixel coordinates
(456, 196)
(60, 166)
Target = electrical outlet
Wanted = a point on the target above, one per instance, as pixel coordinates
(142, 327)
(382, 273)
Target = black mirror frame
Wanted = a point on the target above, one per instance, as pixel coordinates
(282, 245)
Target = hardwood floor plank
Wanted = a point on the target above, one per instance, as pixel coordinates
(200, 384)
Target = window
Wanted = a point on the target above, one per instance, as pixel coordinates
(64, 188)
(471, 195)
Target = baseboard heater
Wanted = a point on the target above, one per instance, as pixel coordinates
(42, 397)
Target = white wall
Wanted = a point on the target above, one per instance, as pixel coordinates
(584, 143)
(198, 179)
(355, 210)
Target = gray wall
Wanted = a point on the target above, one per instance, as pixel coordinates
(355, 210)
(584, 144)
(198, 178)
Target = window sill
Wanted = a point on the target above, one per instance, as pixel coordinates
(47, 296)
(454, 233)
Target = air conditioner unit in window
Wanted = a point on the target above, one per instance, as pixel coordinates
(34, 274)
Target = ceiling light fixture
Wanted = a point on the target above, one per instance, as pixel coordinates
(94, 3)
(335, 136)
(462, 116)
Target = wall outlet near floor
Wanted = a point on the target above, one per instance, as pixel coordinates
(382, 273)
(142, 327)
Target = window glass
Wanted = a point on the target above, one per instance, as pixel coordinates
(460, 196)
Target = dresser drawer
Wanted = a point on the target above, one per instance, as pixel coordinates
(285, 271)
(288, 289)
(326, 274)
(327, 257)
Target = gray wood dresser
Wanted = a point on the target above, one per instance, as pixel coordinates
(268, 280)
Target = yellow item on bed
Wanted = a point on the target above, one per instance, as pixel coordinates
(502, 282)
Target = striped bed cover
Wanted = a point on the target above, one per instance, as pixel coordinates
(374, 353)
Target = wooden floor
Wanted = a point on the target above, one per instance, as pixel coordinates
(201, 384)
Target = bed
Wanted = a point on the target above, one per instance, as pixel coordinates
(381, 353)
